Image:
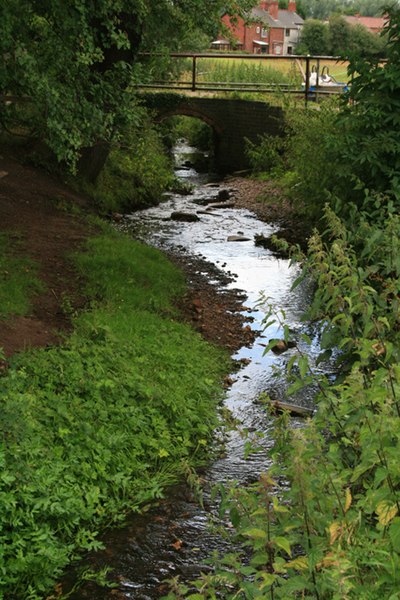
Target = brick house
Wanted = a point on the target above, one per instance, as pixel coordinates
(373, 24)
(269, 30)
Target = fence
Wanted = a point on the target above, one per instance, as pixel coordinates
(311, 71)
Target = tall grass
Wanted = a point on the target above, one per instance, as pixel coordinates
(263, 70)
(235, 71)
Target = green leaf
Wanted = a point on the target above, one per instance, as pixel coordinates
(268, 579)
(235, 517)
(283, 543)
(270, 345)
(303, 366)
(394, 534)
(255, 533)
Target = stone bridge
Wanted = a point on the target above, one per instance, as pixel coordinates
(232, 121)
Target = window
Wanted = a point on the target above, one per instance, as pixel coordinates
(264, 32)
(257, 30)
(287, 32)
(290, 50)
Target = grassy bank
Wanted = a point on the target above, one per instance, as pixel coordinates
(18, 280)
(98, 426)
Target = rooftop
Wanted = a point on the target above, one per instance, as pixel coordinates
(286, 18)
(372, 23)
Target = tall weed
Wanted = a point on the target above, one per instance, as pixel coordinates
(331, 529)
(235, 71)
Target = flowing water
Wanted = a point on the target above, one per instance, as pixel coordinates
(175, 538)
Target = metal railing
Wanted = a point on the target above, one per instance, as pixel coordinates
(195, 84)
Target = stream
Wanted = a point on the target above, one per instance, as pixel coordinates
(174, 538)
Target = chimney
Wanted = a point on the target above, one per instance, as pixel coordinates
(273, 9)
(292, 6)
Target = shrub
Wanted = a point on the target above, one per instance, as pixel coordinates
(266, 156)
(137, 172)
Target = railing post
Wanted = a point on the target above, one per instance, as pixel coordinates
(193, 74)
(307, 87)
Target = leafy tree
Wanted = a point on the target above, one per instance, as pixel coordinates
(314, 38)
(370, 8)
(340, 34)
(299, 7)
(365, 42)
(339, 38)
(76, 60)
(323, 9)
(370, 148)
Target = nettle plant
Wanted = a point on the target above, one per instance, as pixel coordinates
(324, 522)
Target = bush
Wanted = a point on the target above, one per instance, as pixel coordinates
(309, 156)
(266, 156)
(136, 173)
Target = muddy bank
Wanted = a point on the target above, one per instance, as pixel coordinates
(38, 212)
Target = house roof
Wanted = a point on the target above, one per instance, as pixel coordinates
(286, 18)
(289, 18)
(371, 23)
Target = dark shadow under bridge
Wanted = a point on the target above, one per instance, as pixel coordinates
(232, 121)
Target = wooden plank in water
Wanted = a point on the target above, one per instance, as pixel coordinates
(293, 409)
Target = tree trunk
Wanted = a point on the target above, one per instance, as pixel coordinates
(92, 161)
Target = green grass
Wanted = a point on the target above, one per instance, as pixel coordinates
(263, 70)
(241, 71)
(18, 281)
(97, 427)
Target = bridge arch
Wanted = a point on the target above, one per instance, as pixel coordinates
(188, 111)
(232, 120)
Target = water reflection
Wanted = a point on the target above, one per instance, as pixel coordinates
(174, 538)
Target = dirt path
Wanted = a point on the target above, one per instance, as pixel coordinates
(35, 210)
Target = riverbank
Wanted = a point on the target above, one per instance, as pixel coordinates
(98, 425)
(46, 221)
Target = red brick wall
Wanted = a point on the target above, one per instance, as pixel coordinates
(237, 29)
(246, 35)
(276, 40)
